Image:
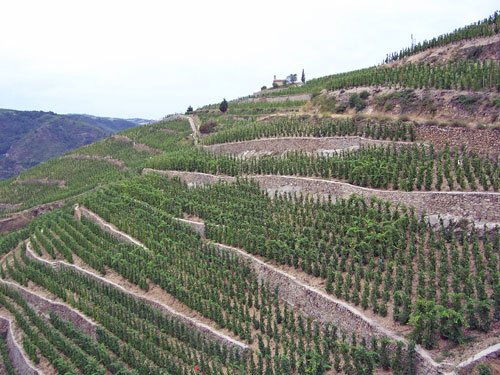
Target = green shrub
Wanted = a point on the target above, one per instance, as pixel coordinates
(484, 369)
(353, 99)
(341, 108)
(364, 94)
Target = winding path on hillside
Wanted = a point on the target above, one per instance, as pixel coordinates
(478, 207)
(192, 122)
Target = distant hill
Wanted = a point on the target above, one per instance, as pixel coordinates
(30, 137)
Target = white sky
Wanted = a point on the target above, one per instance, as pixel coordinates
(151, 58)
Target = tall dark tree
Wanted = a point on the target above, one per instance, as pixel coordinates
(303, 79)
(292, 78)
(189, 110)
(223, 106)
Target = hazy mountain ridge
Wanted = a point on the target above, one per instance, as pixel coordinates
(30, 137)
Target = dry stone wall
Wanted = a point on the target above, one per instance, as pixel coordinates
(273, 99)
(49, 181)
(20, 219)
(19, 360)
(488, 354)
(203, 328)
(322, 307)
(478, 207)
(45, 306)
(137, 146)
(280, 145)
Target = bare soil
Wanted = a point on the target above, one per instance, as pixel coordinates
(481, 208)
(445, 351)
(44, 364)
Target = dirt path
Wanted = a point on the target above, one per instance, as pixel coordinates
(137, 146)
(192, 122)
(482, 208)
(108, 159)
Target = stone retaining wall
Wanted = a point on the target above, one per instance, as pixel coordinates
(280, 145)
(273, 99)
(137, 146)
(322, 307)
(479, 207)
(203, 328)
(20, 362)
(108, 159)
(42, 181)
(45, 306)
(488, 354)
(21, 219)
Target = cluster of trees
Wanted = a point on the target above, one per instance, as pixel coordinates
(314, 127)
(398, 167)
(487, 27)
(369, 254)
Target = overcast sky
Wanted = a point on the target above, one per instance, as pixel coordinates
(151, 58)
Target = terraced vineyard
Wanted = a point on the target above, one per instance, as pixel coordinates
(111, 159)
(270, 239)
